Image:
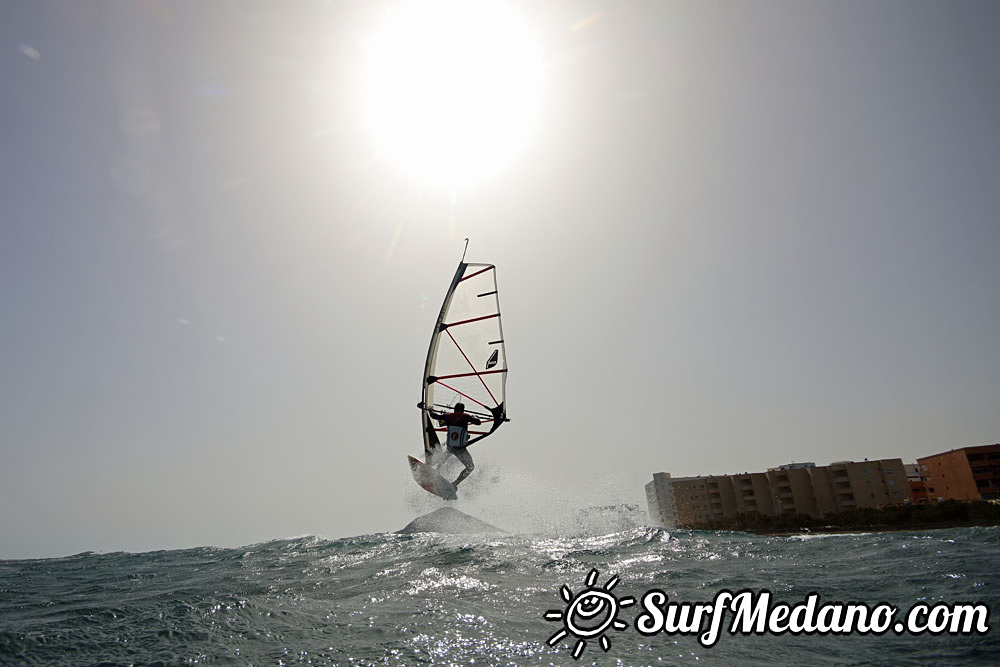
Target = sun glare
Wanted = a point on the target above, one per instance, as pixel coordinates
(452, 88)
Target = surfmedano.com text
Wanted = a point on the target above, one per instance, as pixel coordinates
(756, 613)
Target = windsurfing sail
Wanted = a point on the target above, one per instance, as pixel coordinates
(466, 361)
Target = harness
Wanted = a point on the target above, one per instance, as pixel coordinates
(458, 437)
(458, 430)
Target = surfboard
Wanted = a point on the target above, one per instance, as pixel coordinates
(431, 480)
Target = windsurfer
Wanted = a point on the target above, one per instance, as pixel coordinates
(458, 435)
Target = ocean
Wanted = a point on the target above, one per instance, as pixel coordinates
(440, 599)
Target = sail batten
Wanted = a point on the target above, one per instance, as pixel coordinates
(467, 349)
(465, 375)
(448, 325)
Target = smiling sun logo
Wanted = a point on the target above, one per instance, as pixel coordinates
(589, 613)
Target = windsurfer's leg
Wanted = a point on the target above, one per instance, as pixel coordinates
(466, 459)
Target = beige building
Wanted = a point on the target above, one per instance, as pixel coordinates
(866, 484)
(660, 500)
(800, 488)
(691, 500)
(792, 490)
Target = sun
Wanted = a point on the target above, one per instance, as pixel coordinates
(589, 613)
(452, 88)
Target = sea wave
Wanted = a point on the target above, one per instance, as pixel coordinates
(388, 599)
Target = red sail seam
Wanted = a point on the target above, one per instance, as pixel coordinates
(473, 275)
(475, 319)
(472, 366)
(463, 395)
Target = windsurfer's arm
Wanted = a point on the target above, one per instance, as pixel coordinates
(431, 411)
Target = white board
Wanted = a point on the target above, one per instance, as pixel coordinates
(431, 480)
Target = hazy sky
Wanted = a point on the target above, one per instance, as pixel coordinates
(739, 234)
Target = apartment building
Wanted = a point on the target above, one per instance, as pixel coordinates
(866, 484)
(801, 488)
(660, 500)
(917, 481)
(969, 473)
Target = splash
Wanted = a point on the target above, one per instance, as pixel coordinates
(528, 502)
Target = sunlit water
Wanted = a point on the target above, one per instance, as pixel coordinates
(439, 599)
